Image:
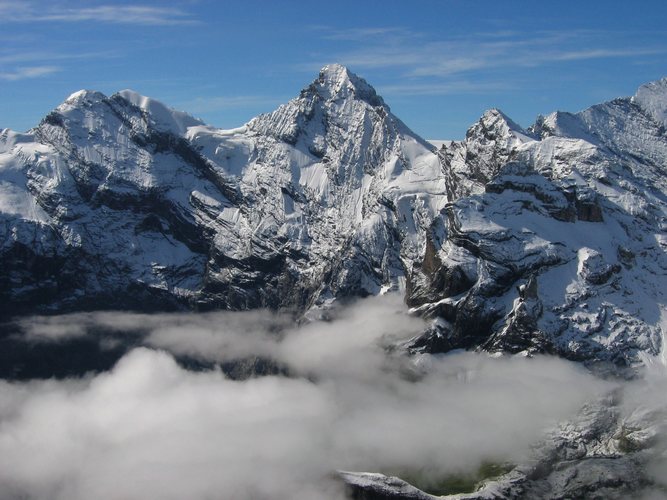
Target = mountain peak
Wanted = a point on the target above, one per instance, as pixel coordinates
(164, 117)
(336, 81)
(494, 124)
(85, 95)
(334, 74)
(652, 98)
(495, 115)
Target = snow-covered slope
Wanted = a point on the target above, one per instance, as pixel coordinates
(546, 239)
(120, 201)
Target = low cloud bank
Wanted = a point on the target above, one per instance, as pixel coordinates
(151, 429)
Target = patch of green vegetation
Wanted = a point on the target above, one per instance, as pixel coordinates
(450, 484)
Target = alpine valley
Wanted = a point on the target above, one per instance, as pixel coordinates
(545, 240)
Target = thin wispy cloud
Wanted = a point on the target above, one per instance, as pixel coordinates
(18, 65)
(28, 72)
(11, 11)
(607, 53)
(489, 58)
(360, 34)
(464, 55)
(439, 66)
(19, 57)
(443, 88)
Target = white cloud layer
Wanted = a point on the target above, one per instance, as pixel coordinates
(151, 429)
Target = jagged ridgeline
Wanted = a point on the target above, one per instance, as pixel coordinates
(550, 239)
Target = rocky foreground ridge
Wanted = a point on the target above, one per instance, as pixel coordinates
(546, 239)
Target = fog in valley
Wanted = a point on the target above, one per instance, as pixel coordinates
(339, 398)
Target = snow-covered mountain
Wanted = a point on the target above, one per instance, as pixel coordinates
(547, 239)
(554, 239)
(110, 200)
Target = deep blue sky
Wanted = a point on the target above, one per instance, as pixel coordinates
(438, 64)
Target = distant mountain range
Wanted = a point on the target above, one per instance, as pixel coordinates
(546, 239)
